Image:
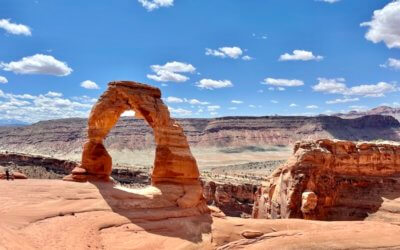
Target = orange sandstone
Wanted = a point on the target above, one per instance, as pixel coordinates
(174, 162)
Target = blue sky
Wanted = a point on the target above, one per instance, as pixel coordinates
(210, 58)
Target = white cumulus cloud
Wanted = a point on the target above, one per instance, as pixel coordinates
(89, 85)
(283, 82)
(179, 111)
(33, 108)
(38, 64)
(213, 107)
(332, 86)
(195, 102)
(171, 72)
(328, 1)
(15, 29)
(53, 94)
(372, 90)
(312, 107)
(173, 99)
(338, 86)
(3, 79)
(392, 63)
(384, 26)
(214, 84)
(300, 55)
(223, 52)
(151, 5)
(236, 101)
(247, 58)
(293, 105)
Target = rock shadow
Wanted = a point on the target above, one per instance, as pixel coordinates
(154, 209)
(369, 196)
(365, 128)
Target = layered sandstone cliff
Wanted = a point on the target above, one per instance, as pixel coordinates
(66, 136)
(334, 180)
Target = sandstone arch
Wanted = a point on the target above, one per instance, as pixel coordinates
(173, 162)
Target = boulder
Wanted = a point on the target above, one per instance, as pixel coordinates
(17, 175)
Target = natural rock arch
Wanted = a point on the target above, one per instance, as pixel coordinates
(173, 162)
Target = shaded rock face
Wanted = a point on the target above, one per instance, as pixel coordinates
(233, 199)
(334, 180)
(173, 160)
(59, 167)
(41, 167)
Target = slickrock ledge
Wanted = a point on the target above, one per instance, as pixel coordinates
(54, 214)
(334, 180)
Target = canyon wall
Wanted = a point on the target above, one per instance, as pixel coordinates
(334, 180)
(66, 136)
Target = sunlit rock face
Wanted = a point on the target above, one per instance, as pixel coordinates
(334, 180)
(173, 162)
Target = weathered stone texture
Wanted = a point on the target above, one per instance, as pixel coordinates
(334, 180)
(173, 161)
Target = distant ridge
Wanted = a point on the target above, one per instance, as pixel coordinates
(381, 110)
(66, 136)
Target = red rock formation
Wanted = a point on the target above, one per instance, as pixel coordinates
(16, 175)
(173, 162)
(334, 180)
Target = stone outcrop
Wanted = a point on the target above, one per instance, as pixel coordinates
(15, 175)
(174, 162)
(334, 180)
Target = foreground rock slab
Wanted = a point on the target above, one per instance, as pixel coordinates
(52, 214)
